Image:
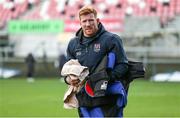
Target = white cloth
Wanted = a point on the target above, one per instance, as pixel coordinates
(74, 70)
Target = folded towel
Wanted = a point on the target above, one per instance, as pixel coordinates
(73, 70)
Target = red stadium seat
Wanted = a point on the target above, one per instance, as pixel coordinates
(14, 9)
(107, 9)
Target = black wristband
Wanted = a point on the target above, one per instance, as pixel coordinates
(66, 80)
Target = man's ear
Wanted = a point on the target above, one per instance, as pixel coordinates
(98, 20)
(80, 22)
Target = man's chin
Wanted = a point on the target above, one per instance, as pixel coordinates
(89, 34)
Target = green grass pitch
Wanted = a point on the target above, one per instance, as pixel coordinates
(43, 98)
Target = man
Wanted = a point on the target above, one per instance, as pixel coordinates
(30, 61)
(91, 43)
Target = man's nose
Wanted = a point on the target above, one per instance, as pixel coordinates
(87, 23)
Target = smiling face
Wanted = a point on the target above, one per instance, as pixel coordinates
(89, 24)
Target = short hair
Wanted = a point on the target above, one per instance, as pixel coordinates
(87, 10)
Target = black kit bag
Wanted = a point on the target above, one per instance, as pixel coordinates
(96, 83)
(135, 70)
(100, 77)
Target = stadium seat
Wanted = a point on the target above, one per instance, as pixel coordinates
(67, 9)
(12, 9)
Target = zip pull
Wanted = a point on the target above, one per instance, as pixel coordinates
(86, 49)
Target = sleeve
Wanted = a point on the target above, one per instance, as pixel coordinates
(121, 61)
(70, 55)
(69, 51)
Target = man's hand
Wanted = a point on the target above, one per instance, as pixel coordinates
(73, 80)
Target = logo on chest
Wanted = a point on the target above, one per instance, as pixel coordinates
(78, 53)
(97, 47)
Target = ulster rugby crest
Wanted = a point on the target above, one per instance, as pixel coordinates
(78, 53)
(97, 47)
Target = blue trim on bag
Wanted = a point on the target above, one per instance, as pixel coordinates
(117, 88)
